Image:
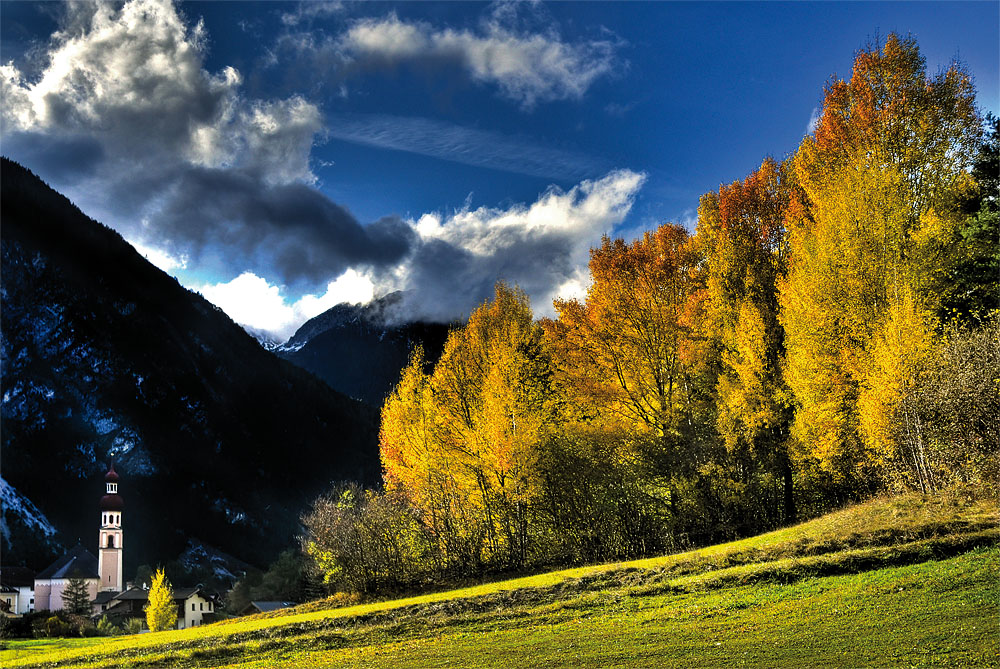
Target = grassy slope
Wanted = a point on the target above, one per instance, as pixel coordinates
(904, 581)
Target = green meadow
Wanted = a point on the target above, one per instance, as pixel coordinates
(904, 581)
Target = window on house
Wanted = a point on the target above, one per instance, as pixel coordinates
(192, 606)
(201, 607)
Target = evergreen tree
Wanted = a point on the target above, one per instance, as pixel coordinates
(75, 597)
(161, 612)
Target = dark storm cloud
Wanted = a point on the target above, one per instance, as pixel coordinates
(292, 228)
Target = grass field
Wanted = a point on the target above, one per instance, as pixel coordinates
(908, 581)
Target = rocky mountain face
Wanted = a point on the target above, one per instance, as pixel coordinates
(103, 356)
(360, 350)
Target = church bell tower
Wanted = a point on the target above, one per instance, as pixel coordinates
(109, 556)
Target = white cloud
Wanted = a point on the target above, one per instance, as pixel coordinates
(253, 301)
(351, 287)
(528, 67)
(312, 9)
(250, 300)
(162, 259)
(543, 247)
(133, 79)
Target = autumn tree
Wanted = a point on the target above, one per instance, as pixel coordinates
(741, 234)
(879, 178)
(161, 611)
(362, 541)
(626, 349)
(460, 443)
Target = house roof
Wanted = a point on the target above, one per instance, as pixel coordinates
(133, 593)
(263, 607)
(9, 589)
(17, 577)
(185, 593)
(78, 563)
(105, 596)
(118, 608)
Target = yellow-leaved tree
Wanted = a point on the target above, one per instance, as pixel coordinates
(741, 235)
(161, 611)
(879, 176)
(461, 442)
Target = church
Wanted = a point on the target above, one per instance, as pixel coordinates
(103, 575)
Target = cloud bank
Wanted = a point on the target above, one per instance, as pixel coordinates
(206, 180)
(125, 118)
(455, 259)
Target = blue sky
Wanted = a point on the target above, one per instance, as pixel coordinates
(280, 157)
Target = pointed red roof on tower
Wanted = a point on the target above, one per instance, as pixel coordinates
(112, 475)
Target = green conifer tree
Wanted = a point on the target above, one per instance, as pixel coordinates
(75, 597)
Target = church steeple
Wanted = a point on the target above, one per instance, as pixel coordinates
(109, 556)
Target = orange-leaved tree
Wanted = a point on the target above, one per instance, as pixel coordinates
(626, 350)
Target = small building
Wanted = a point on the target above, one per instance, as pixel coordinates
(194, 606)
(263, 607)
(17, 585)
(197, 607)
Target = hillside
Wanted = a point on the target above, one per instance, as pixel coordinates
(106, 357)
(894, 582)
(360, 350)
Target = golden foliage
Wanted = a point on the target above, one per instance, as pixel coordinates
(627, 350)
(161, 611)
(460, 443)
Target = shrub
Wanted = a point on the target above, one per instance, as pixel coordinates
(107, 628)
(56, 627)
(132, 626)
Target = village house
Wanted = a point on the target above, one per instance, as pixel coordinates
(17, 593)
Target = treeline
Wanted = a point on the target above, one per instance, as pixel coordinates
(828, 331)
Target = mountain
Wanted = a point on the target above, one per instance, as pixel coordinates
(103, 356)
(360, 350)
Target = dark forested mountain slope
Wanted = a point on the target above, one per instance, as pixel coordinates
(361, 350)
(105, 356)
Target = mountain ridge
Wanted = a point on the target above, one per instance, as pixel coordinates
(106, 357)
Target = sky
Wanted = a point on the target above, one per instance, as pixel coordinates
(280, 158)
